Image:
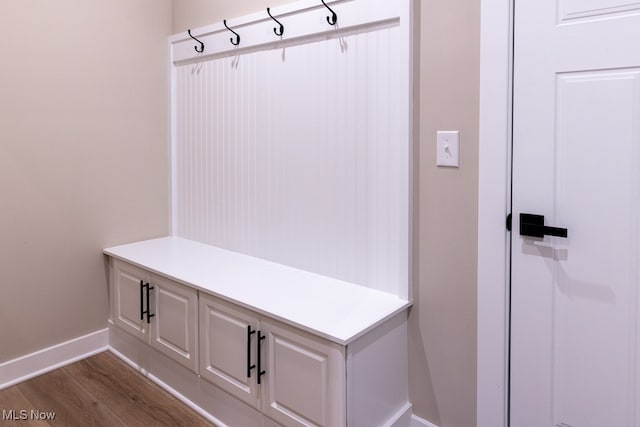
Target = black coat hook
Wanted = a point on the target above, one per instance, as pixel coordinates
(275, 30)
(237, 42)
(196, 47)
(334, 17)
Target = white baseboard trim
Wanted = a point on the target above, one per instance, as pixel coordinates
(168, 388)
(420, 422)
(40, 362)
(32, 365)
(402, 418)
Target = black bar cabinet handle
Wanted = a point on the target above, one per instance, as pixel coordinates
(260, 371)
(249, 365)
(141, 299)
(149, 315)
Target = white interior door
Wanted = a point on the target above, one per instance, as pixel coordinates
(576, 148)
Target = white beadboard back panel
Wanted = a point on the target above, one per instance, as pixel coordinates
(300, 154)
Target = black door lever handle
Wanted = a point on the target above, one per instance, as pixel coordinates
(533, 226)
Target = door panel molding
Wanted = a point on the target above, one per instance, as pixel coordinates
(572, 10)
(607, 292)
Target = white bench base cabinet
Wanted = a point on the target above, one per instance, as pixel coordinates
(303, 378)
(171, 324)
(203, 348)
(223, 409)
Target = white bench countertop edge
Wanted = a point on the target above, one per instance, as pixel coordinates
(333, 309)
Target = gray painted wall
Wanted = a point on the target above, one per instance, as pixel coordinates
(83, 157)
(83, 165)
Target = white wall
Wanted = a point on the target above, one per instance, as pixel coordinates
(297, 154)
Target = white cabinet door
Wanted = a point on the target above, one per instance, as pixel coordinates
(127, 308)
(228, 337)
(174, 326)
(304, 383)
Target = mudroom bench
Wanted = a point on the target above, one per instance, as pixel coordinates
(249, 342)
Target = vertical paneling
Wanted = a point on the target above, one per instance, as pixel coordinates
(299, 155)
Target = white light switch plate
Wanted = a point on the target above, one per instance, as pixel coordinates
(448, 143)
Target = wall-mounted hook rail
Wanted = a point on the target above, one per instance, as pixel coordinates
(333, 20)
(237, 41)
(275, 30)
(196, 47)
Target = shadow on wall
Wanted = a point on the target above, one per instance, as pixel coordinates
(421, 391)
(420, 383)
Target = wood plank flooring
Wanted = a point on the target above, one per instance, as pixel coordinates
(98, 391)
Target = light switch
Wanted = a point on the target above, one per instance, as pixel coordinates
(448, 149)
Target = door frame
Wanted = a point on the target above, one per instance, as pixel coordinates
(494, 203)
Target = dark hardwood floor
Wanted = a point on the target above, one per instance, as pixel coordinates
(98, 391)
